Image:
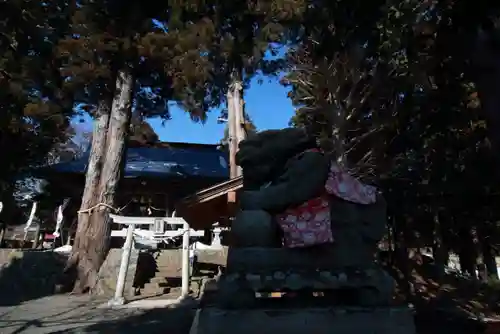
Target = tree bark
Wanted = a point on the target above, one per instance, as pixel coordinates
(103, 175)
(233, 144)
(487, 251)
(468, 255)
(489, 260)
(402, 256)
(439, 251)
(236, 119)
(487, 66)
(119, 124)
(78, 261)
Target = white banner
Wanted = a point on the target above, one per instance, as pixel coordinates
(32, 216)
(58, 222)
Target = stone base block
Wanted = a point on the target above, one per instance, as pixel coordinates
(254, 259)
(390, 320)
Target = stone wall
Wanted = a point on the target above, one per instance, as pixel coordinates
(108, 274)
(216, 257)
(28, 274)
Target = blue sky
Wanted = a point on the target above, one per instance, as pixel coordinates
(266, 103)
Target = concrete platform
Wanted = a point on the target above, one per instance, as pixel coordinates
(389, 320)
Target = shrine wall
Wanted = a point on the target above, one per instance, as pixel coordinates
(108, 274)
(28, 274)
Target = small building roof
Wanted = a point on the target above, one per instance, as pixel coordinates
(211, 205)
(164, 160)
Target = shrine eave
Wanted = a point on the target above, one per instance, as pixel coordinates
(210, 205)
(204, 161)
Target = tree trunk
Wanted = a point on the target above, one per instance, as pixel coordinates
(236, 118)
(487, 68)
(402, 257)
(487, 62)
(231, 125)
(489, 260)
(439, 251)
(91, 247)
(487, 251)
(467, 256)
(118, 131)
(79, 261)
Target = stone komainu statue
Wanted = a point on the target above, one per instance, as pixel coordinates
(283, 169)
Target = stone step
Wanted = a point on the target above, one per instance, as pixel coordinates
(298, 321)
(169, 254)
(169, 266)
(167, 272)
(368, 287)
(168, 269)
(282, 259)
(170, 258)
(154, 288)
(159, 280)
(216, 257)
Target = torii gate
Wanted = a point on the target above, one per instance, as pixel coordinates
(132, 222)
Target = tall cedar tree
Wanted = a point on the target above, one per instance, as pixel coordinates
(34, 112)
(116, 50)
(440, 140)
(247, 36)
(336, 79)
(432, 139)
(191, 60)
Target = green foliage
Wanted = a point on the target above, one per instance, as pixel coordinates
(397, 82)
(34, 112)
(142, 133)
(189, 60)
(394, 89)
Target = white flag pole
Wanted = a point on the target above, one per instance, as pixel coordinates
(30, 220)
(59, 220)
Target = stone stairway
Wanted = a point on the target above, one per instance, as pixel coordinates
(167, 273)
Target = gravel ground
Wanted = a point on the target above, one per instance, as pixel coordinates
(81, 314)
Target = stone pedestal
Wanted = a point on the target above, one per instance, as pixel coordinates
(390, 320)
(357, 279)
(251, 259)
(109, 272)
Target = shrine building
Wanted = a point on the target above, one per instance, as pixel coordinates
(156, 178)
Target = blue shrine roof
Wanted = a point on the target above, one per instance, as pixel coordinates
(186, 160)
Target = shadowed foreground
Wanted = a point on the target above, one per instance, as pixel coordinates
(80, 314)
